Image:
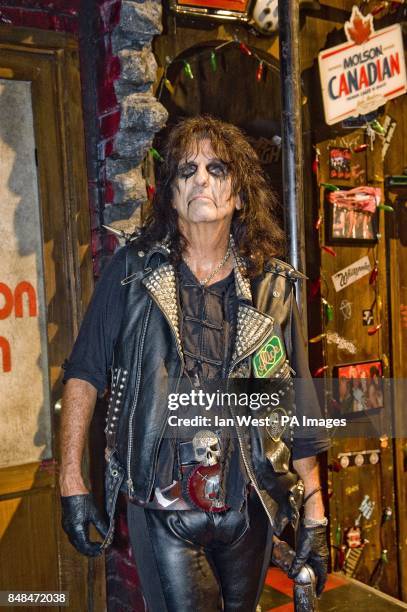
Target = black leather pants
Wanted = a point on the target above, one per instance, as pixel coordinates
(193, 561)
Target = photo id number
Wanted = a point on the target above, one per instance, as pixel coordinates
(34, 598)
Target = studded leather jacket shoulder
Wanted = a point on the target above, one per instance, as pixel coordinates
(148, 363)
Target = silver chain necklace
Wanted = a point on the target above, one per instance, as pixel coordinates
(214, 272)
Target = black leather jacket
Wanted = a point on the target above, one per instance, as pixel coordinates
(148, 362)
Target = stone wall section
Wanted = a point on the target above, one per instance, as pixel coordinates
(141, 115)
(128, 114)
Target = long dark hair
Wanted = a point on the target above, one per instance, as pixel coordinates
(255, 228)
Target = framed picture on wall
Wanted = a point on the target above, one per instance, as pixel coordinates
(352, 215)
(226, 10)
(339, 163)
(358, 388)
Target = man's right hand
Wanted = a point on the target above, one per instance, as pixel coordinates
(78, 512)
(78, 508)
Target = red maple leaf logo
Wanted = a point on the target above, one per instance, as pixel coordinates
(359, 28)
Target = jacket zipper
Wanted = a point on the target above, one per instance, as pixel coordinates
(247, 465)
(133, 408)
(249, 469)
(181, 356)
(130, 443)
(159, 442)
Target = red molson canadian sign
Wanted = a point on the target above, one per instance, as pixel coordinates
(362, 74)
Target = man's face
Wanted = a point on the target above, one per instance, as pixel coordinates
(202, 188)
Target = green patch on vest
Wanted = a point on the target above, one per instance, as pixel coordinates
(268, 357)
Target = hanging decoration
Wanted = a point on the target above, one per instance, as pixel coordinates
(330, 187)
(319, 371)
(211, 56)
(150, 191)
(361, 77)
(374, 273)
(316, 339)
(377, 127)
(265, 16)
(373, 330)
(156, 155)
(259, 72)
(244, 49)
(328, 250)
(360, 148)
(328, 310)
(169, 86)
(188, 69)
(315, 288)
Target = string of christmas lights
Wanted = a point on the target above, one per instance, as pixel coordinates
(211, 55)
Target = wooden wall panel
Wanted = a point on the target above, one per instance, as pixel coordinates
(28, 546)
(396, 163)
(348, 486)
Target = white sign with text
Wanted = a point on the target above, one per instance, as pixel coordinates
(363, 73)
(351, 273)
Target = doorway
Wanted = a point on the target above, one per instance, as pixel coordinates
(45, 284)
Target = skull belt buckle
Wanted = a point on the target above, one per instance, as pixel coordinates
(202, 484)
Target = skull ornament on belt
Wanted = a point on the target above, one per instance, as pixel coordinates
(206, 447)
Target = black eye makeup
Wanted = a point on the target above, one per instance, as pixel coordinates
(216, 168)
(185, 171)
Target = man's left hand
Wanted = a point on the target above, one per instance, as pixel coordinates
(312, 549)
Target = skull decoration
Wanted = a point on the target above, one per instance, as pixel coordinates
(206, 447)
(265, 15)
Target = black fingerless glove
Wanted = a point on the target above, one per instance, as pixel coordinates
(312, 549)
(78, 511)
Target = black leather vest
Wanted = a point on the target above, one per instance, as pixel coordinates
(148, 362)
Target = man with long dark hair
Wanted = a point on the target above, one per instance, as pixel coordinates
(194, 300)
